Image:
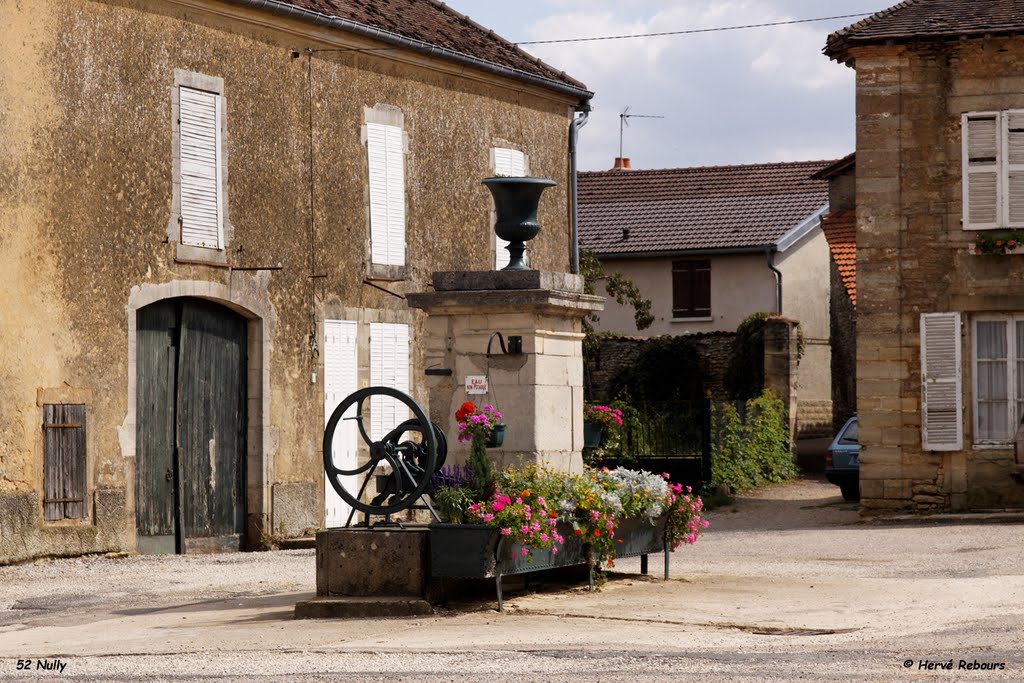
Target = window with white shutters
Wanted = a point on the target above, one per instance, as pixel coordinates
(507, 162)
(389, 367)
(341, 363)
(200, 152)
(941, 391)
(993, 169)
(998, 366)
(386, 157)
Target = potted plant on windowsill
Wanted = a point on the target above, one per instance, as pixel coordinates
(999, 243)
(516, 200)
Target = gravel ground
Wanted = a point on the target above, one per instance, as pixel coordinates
(788, 584)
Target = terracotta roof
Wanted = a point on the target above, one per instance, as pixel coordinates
(840, 228)
(429, 22)
(708, 207)
(916, 20)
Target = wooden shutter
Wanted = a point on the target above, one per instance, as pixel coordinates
(63, 461)
(941, 392)
(981, 170)
(389, 367)
(200, 151)
(340, 379)
(691, 288)
(507, 162)
(1013, 156)
(386, 157)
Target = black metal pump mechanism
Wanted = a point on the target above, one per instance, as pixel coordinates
(401, 463)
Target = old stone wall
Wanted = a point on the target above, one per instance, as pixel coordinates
(843, 332)
(85, 208)
(913, 257)
(614, 353)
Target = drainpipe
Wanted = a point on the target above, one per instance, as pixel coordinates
(769, 254)
(574, 214)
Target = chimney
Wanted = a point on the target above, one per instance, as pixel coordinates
(621, 164)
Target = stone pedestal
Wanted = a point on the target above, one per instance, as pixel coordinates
(540, 390)
(370, 573)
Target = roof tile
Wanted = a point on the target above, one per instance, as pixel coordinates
(923, 19)
(707, 207)
(437, 24)
(840, 228)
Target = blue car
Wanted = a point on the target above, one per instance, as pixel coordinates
(842, 460)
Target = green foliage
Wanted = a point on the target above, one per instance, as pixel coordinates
(480, 467)
(452, 501)
(667, 369)
(744, 378)
(746, 453)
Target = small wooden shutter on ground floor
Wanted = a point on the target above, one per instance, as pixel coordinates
(64, 464)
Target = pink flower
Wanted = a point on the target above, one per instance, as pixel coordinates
(540, 501)
(506, 532)
(488, 517)
(498, 505)
(519, 501)
(543, 537)
(524, 552)
(554, 550)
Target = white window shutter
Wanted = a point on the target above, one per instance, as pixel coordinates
(389, 367)
(507, 162)
(341, 363)
(1013, 156)
(981, 170)
(386, 159)
(941, 390)
(200, 153)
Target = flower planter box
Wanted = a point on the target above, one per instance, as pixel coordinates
(476, 551)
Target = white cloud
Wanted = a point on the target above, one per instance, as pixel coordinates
(750, 95)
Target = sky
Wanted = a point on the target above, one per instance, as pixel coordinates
(730, 97)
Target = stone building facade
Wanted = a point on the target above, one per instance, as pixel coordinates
(254, 244)
(939, 94)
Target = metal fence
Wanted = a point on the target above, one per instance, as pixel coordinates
(672, 437)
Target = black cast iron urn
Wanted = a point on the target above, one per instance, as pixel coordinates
(515, 202)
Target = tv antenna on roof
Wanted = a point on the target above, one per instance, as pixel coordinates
(624, 122)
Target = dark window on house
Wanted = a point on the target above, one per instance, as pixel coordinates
(63, 461)
(691, 288)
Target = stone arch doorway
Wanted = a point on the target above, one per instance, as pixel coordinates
(191, 426)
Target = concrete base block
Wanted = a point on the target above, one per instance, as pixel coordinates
(388, 563)
(361, 607)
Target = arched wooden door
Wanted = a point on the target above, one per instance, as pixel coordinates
(190, 427)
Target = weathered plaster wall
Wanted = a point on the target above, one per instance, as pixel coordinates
(913, 258)
(805, 298)
(85, 201)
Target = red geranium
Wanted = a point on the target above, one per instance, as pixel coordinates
(464, 411)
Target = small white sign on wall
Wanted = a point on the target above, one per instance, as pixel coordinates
(476, 384)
